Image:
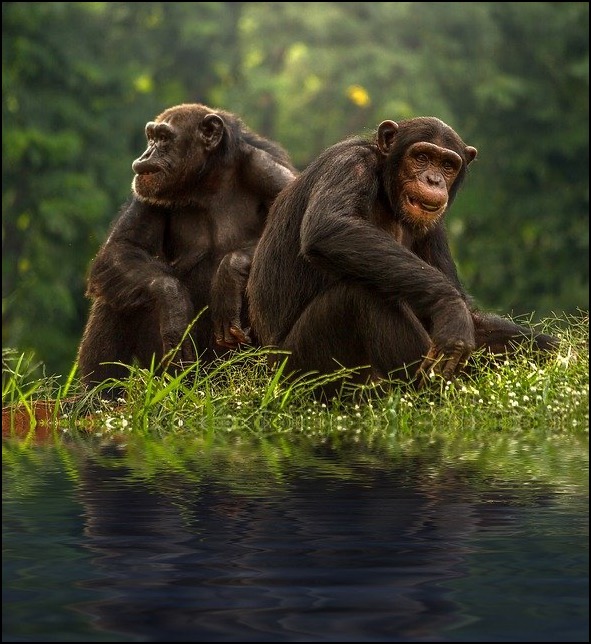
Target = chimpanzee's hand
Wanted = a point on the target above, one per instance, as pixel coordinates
(452, 341)
(227, 294)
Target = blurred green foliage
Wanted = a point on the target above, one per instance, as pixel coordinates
(80, 80)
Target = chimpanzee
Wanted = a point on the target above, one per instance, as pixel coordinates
(354, 268)
(181, 248)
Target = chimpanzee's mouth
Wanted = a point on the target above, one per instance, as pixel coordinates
(424, 206)
(429, 207)
(146, 171)
(144, 167)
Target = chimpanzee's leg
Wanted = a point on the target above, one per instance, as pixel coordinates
(349, 327)
(501, 336)
(112, 337)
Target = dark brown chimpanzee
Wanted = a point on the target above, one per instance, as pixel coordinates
(354, 268)
(200, 199)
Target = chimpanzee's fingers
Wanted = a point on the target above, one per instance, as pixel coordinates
(241, 335)
(450, 365)
(222, 335)
(446, 365)
(428, 366)
(232, 335)
(431, 359)
(455, 361)
(188, 351)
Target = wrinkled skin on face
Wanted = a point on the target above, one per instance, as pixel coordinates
(421, 180)
(426, 176)
(179, 145)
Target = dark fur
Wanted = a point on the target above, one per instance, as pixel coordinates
(343, 276)
(183, 242)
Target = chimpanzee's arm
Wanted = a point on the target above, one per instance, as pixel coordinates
(129, 273)
(263, 174)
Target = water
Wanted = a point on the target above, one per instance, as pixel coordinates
(255, 545)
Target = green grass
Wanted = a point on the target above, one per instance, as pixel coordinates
(517, 419)
(241, 395)
(243, 401)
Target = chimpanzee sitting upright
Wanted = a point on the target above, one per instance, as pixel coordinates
(201, 195)
(354, 268)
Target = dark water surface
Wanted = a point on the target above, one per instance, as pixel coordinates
(103, 545)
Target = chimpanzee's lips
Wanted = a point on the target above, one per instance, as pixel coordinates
(146, 170)
(430, 208)
(145, 167)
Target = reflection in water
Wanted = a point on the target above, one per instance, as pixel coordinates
(412, 550)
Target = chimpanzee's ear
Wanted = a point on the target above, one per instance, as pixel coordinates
(212, 130)
(386, 133)
(470, 153)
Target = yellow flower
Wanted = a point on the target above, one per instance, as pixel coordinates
(358, 95)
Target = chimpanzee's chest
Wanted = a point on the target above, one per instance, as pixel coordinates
(187, 234)
(384, 218)
(401, 234)
(197, 238)
(184, 235)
